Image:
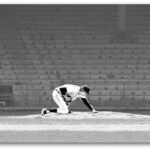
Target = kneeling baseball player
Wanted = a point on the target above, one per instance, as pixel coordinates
(65, 94)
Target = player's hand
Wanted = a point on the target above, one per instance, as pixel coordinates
(67, 98)
(94, 111)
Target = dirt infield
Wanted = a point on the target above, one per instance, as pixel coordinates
(78, 127)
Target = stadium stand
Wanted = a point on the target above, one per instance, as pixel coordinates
(138, 23)
(45, 46)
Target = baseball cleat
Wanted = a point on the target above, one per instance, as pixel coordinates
(44, 112)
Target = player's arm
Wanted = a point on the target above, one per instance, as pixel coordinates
(86, 102)
(65, 95)
(63, 91)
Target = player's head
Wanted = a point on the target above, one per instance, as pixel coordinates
(86, 89)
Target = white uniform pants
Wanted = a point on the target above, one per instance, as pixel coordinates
(63, 108)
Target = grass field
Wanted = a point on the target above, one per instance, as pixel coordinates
(77, 127)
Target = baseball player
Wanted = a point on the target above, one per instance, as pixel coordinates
(67, 93)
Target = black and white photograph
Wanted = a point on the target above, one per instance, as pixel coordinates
(75, 73)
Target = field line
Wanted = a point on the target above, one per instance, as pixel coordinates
(82, 127)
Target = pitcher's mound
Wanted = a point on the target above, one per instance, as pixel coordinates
(89, 115)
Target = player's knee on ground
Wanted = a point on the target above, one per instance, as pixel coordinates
(63, 111)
